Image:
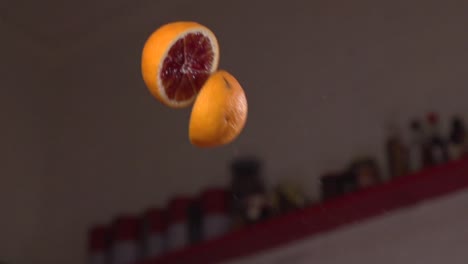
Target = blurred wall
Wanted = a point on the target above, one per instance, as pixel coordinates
(322, 79)
(23, 143)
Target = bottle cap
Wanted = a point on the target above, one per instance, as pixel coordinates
(214, 200)
(126, 228)
(97, 238)
(178, 209)
(155, 220)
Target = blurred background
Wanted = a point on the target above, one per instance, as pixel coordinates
(83, 141)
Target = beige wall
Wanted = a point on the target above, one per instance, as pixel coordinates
(321, 79)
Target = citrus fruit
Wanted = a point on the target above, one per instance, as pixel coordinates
(176, 61)
(219, 112)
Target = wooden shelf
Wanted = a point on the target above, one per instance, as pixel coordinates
(398, 193)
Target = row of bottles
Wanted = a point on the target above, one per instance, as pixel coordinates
(189, 220)
(361, 173)
(426, 147)
(185, 220)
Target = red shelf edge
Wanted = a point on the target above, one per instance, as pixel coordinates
(396, 194)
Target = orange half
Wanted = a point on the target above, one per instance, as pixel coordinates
(177, 60)
(219, 113)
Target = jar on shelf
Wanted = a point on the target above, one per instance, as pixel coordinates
(98, 245)
(125, 246)
(178, 223)
(337, 183)
(288, 195)
(195, 221)
(365, 172)
(215, 210)
(249, 199)
(154, 229)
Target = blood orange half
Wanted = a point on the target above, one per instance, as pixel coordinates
(219, 113)
(177, 60)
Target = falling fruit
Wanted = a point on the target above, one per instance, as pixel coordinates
(219, 113)
(179, 65)
(177, 59)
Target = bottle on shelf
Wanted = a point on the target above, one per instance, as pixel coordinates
(249, 202)
(365, 172)
(417, 147)
(397, 153)
(437, 146)
(125, 246)
(195, 221)
(331, 185)
(215, 210)
(334, 184)
(258, 207)
(288, 195)
(154, 230)
(178, 232)
(457, 138)
(98, 245)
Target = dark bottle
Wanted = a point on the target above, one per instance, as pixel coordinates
(397, 154)
(194, 221)
(457, 139)
(250, 203)
(331, 185)
(437, 146)
(417, 147)
(349, 181)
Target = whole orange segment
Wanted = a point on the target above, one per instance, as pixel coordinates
(219, 113)
(176, 61)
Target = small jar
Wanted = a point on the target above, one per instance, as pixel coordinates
(98, 245)
(248, 191)
(125, 243)
(154, 233)
(177, 228)
(215, 210)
